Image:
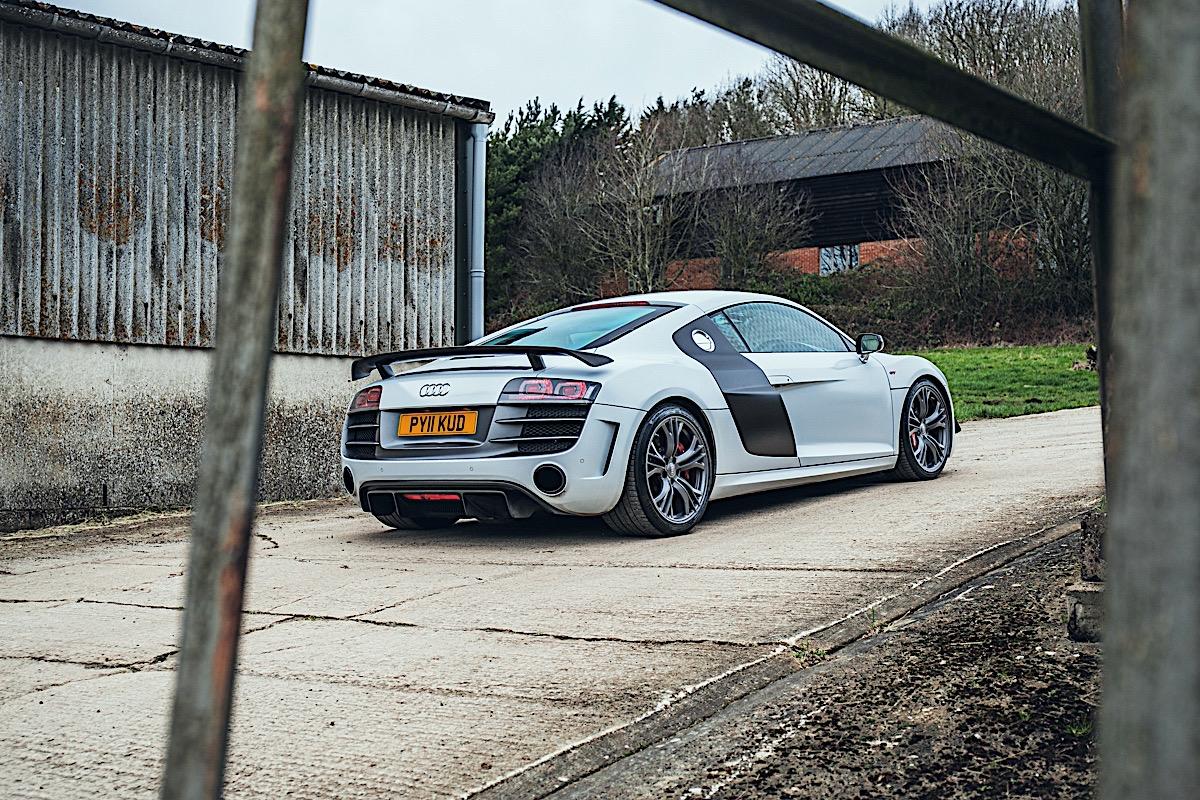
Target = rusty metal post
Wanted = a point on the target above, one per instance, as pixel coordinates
(1150, 719)
(1101, 27)
(228, 477)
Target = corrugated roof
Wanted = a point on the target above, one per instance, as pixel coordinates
(140, 37)
(826, 151)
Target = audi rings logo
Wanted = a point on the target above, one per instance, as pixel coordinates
(435, 390)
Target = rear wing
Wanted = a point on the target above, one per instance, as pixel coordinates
(362, 367)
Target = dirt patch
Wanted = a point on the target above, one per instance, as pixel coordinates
(980, 695)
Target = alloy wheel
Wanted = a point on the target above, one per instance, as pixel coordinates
(677, 469)
(929, 428)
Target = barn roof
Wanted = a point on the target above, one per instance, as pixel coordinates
(140, 37)
(837, 150)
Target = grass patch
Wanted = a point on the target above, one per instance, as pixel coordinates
(991, 382)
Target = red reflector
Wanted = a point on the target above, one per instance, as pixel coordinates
(432, 497)
(619, 304)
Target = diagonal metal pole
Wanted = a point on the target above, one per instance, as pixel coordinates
(830, 40)
(227, 483)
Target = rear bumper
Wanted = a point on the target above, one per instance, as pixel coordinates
(595, 469)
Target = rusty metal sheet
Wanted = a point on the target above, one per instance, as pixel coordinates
(115, 170)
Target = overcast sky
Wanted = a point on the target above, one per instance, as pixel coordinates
(505, 51)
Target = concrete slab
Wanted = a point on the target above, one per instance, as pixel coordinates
(291, 738)
(95, 634)
(649, 603)
(23, 676)
(121, 581)
(338, 588)
(622, 677)
(484, 648)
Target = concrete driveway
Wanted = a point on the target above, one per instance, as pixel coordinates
(379, 663)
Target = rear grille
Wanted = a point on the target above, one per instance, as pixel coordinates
(537, 448)
(559, 432)
(556, 412)
(362, 434)
(568, 429)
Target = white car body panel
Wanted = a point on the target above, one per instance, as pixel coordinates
(840, 405)
(844, 414)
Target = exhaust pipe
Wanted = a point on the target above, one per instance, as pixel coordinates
(549, 479)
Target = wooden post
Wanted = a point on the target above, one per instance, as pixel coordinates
(1150, 720)
(228, 478)
(1101, 31)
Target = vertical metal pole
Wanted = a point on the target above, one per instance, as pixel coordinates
(269, 104)
(1150, 722)
(1101, 31)
(477, 159)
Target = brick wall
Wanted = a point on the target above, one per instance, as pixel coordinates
(694, 273)
(702, 273)
(896, 249)
(802, 259)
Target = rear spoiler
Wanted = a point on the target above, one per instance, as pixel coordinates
(362, 367)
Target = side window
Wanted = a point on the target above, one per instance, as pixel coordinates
(726, 327)
(776, 328)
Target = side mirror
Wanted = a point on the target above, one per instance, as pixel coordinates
(868, 343)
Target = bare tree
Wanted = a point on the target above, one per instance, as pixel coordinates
(997, 235)
(749, 219)
(558, 263)
(799, 97)
(643, 216)
(742, 111)
(739, 109)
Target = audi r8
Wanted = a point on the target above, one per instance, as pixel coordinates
(639, 409)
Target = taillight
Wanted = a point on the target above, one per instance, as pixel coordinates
(571, 390)
(367, 399)
(535, 388)
(526, 390)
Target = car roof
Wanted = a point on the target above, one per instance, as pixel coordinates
(705, 300)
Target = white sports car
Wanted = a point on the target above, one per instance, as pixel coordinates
(638, 409)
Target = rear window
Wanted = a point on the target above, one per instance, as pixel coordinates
(587, 327)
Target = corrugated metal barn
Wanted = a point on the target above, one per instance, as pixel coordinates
(116, 154)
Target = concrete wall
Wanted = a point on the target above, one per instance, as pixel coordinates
(89, 429)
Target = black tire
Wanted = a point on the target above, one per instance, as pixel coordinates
(909, 466)
(415, 523)
(636, 512)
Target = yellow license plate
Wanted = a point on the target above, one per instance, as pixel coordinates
(438, 423)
